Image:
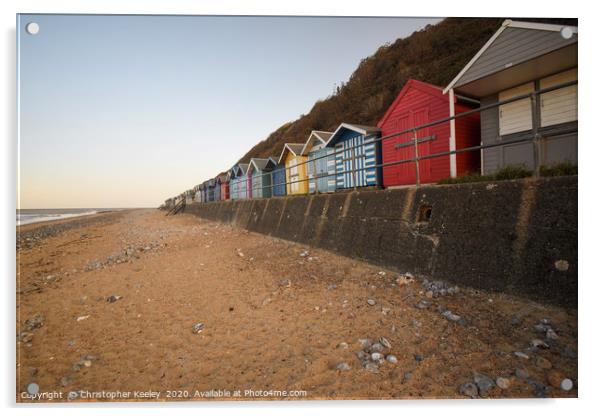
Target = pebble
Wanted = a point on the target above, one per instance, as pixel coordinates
(521, 373)
(520, 354)
(365, 343)
(566, 384)
(82, 318)
(198, 327)
(541, 390)
(371, 302)
(469, 389)
(343, 345)
(450, 316)
(285, 283)
(551, 334)
(331, 286)
(542, 327)
(385, 342)
(484, 384)
(376, 356)
(377, 347)
(371, 367)
(423, 304)
(304, 253)
(561, 265)
(343, 366)
(543, 363)
(113, 298)
(537, 343)
(406, 377)
(37, 321)
(391, 358)
(502, 382)
(438, 288)
(418, 357)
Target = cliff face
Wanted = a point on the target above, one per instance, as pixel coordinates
(434, 54)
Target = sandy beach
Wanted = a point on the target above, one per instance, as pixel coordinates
(109, 303)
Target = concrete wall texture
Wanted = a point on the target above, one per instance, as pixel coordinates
(517, 237)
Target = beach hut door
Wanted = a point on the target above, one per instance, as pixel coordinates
(421, 117)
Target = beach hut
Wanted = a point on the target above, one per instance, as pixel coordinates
(320, 166)
(238, 181)
(249, 185)
(197, 193)
(520, 58)
(189, 196)
(357, 155)
(225, 194)
(211, 190)
(295, 169)
(278, 180)
(420, 103)
(261, 177)
(203, 193)
(219, 188)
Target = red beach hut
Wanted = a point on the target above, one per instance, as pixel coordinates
(420, 103)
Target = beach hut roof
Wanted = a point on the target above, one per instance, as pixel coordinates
(244, 167)
(222, 177)
(239, 168)
(316, 137)
(294, 148)
(365, 130)
(536, 40)
(258, 164)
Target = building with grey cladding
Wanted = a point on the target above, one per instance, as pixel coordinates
(522, 57)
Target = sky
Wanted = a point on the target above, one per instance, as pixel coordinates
(126, 111)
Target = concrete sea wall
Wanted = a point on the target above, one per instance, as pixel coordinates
(518, 237)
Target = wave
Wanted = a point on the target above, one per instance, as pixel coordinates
(31, 218)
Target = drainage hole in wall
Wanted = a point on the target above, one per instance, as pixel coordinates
(424, 214)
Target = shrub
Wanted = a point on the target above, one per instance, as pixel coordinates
(507, 173)
(559, 169)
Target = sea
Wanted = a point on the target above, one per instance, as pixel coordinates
(30, 216)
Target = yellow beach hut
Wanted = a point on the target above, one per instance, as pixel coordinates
(296, 170)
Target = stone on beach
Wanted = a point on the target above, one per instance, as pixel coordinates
(484, 384)
(502, 382)
(198, 327)
(113, 298)
(343, 367)
(391, 358)
(469, 389)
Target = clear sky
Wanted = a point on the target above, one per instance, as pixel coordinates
(126, 111)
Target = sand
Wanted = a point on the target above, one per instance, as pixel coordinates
(273, 320)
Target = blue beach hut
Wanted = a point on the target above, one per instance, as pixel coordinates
(357, 155)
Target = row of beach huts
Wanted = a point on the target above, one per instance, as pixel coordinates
(520, 58)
